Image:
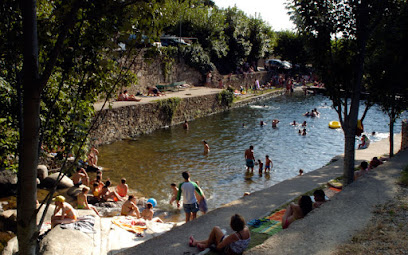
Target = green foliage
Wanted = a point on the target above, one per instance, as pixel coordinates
(404, 177)
(79, 63)
(226, 97)
(197, 58)
(168, 107)
(292, 46)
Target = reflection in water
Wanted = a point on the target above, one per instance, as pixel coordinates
(152, 162)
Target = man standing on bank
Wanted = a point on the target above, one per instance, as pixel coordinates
(190, 204)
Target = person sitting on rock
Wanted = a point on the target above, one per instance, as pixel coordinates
(80, 177)
(365, 142)
(82, 201)
(129, 208)
(122, 188)
(93, 159)
(297, 211)
(106, 193)
(148, 213)
(68, 213)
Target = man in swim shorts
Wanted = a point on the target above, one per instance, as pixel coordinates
(190, 204)
(249, 158)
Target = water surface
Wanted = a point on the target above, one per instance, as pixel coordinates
(151, 162)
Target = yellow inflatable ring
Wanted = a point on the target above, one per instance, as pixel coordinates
(335, 184)
(334, 124)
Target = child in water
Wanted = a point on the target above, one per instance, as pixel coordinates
(268, 163)
(174, 191)
(260, 166)
(148, 213)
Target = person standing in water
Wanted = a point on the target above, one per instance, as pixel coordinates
(250, 159)
(206, 147)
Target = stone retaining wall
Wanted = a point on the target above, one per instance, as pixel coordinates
(404, 136)
(131, 121)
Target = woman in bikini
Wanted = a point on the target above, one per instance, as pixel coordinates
(297, 211)
(235, 243)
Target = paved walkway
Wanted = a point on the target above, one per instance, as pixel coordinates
(326, 222)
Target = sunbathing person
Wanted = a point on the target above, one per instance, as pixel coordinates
(297, 211)
(68, 213)
(235, 243)
(129, 208)
(154, 91)
(128, 97)
(80, 177)
(106, 193)
(319, 197)
(82, 201)
(148, 213)
(362, 171)
(122, 188)
(374, 163)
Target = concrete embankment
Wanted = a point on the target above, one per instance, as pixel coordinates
(330, 218)
(129, 119)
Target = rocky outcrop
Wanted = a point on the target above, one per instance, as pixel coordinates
(42, 172)
(8, 183)
(50, 181)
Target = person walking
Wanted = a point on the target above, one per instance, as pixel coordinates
(186, 189)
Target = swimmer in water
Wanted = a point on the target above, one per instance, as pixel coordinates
(275, 123)
(206, 147)
(293, 123)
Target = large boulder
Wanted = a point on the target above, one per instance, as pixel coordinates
(8, 183)
(74, 191)
(50, 181)
(42, 172)
(66, 241)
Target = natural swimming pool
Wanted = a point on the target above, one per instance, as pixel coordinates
(151, 162)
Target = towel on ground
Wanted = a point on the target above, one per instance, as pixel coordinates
(130, 223)
(85, 224)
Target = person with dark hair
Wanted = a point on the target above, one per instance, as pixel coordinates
(297, 211)
(250, 158)
(235, 243)
(122, 188)
(129, 208)
(363, 170)
(319, 197)
(206, 147)
(190, 204)
(106, 193)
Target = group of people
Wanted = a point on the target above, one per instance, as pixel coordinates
(250, 161)
(124, 96)
(365, 167)
(313, 113)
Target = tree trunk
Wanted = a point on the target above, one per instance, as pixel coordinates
(392, 121)
(29, 134)
(349, 156)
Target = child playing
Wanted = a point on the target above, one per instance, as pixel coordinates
(148, 213)
(174, 190)
(260, 166)
(82, 201)
(268, 163)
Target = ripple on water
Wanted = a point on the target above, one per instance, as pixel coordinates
(155, 160)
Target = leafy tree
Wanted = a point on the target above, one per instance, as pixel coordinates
(259, 36)
(387, 62)
(50, 76)
(339, 32)
(292, 46)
